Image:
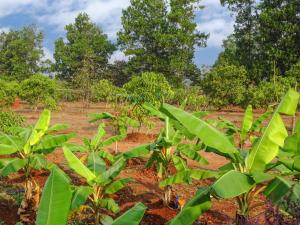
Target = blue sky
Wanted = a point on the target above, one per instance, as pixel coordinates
(52, 15)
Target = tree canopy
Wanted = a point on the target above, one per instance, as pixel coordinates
(86, 45)
(21, 52)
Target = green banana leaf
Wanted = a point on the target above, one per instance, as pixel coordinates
(137, 152)
(58, 127)
(266, 148)
(279, 188)
(77, 165)
(232, 184)
(99, 135)
(95, 163)
(189, 151)
(247, 122)
(50, 142)
(194, 208)
(100, 116)
(11, 166)
(179, 163)
(132, 216)
(187, 176)
(110, 204)
(117, 185)
(289, 103)
(56, 199)
(80, 196)
(208, 134)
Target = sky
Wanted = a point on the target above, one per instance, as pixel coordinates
(51, 16)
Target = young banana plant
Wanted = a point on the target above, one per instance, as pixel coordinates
(287, 164)
(247, 173)
(26, 150)
(101, 181)
(168, 150)
(95, 147)
(59, 197)
(120, 124)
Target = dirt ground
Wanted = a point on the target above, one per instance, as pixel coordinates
(145, 188)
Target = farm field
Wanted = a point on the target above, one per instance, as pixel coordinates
(145, 188)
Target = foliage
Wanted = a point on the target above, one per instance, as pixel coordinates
(39, 90)
(161, 40)
(86, 47)
(102, 182)
(8, 92)
(105, 91)
(20, 52)
(149, 87)
(192, 97)
(269, 92)
(10, 120)
(248, 172)
(29, 147)
(265, 37)
(120, 122)
(225, 85)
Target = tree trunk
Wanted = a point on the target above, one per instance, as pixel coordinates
(242, 219)
(167, 195)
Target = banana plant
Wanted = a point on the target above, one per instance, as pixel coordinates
(96, 146)
(249, 129)
(25, 151)
(101, 181)
(59, 197)
(168, 150)
(120, 124)
(247, 173)
(288, 164)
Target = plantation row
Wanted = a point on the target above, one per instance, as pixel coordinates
(215, 92)
(269, 166)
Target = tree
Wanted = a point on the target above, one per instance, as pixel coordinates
(279, 34)
(86, 44)
(20, 52)
(244, 35)
(161, 40)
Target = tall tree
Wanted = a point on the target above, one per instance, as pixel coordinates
(160, 36)
(21, 52)
(245, 34)
(279, 34)
(86, 42)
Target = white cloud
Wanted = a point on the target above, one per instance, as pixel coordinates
(216, 21)
(118, 56)
(48, 54)
(4, 29)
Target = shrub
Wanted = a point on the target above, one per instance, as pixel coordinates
(8, 92)
(269, 92)
(294, 72)
(225, 85)
(38, 89)
(194, 97)
(149, 87)
(105, 91)
(10, 120)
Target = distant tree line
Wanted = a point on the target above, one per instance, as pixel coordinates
(160, 36)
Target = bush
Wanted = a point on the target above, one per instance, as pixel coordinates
(105, 91)
(38, 89)
(8, 92)
(294, 72)
(149, 87)
(269, 92)
(225, 85)
(9, 120)
(195, 99)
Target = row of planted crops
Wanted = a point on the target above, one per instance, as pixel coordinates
(263, 160)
